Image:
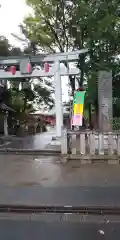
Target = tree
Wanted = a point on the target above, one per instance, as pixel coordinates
(4, 46)
(67, 25)
(14, 51)
(21, 100)
(43, 96)
(48, 27)
(99, 31)
(27, 99)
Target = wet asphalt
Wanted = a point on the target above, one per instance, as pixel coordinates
(60, 230)
(31, 180)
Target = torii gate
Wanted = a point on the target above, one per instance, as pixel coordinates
(55, 71)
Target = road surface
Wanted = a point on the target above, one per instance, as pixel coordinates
(31, 180)
(34, 181)
(23, 228)
(64, 196)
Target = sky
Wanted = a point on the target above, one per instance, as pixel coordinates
(12, 13)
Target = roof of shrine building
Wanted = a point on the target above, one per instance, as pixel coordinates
(4, 107)
(51, 112)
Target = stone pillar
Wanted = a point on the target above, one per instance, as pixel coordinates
(5, 125)
(58, 100)
(105, 100)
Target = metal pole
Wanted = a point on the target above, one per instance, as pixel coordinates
(58, 100)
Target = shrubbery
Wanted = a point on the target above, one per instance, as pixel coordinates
(116, 123)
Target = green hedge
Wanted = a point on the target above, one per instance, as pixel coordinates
(116, 123)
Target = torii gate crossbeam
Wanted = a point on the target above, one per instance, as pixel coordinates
(41, 58)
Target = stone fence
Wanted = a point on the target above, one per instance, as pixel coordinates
(89, 145)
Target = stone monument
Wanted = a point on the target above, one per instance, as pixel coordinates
(105, 101)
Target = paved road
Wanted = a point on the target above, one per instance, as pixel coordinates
(20, 171)
(60, 230)
(27, 180)
(73, 196)
(31, 180)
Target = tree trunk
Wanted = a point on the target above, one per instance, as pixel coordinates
(90, 117)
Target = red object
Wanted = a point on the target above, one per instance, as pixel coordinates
(46, 67)
(29, 68)
(13, 70)
(80, 89)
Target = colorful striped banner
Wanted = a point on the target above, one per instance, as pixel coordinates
(78, 109)
(77, 120)
(79, 97)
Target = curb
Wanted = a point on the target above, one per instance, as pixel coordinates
(106, 159)
(64, 158)
(30, 151)
(97, 210)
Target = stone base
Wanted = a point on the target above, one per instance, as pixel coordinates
(63, 159)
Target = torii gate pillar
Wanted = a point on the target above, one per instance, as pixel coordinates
(58, 99)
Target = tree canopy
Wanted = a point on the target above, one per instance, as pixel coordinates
(58, 25)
